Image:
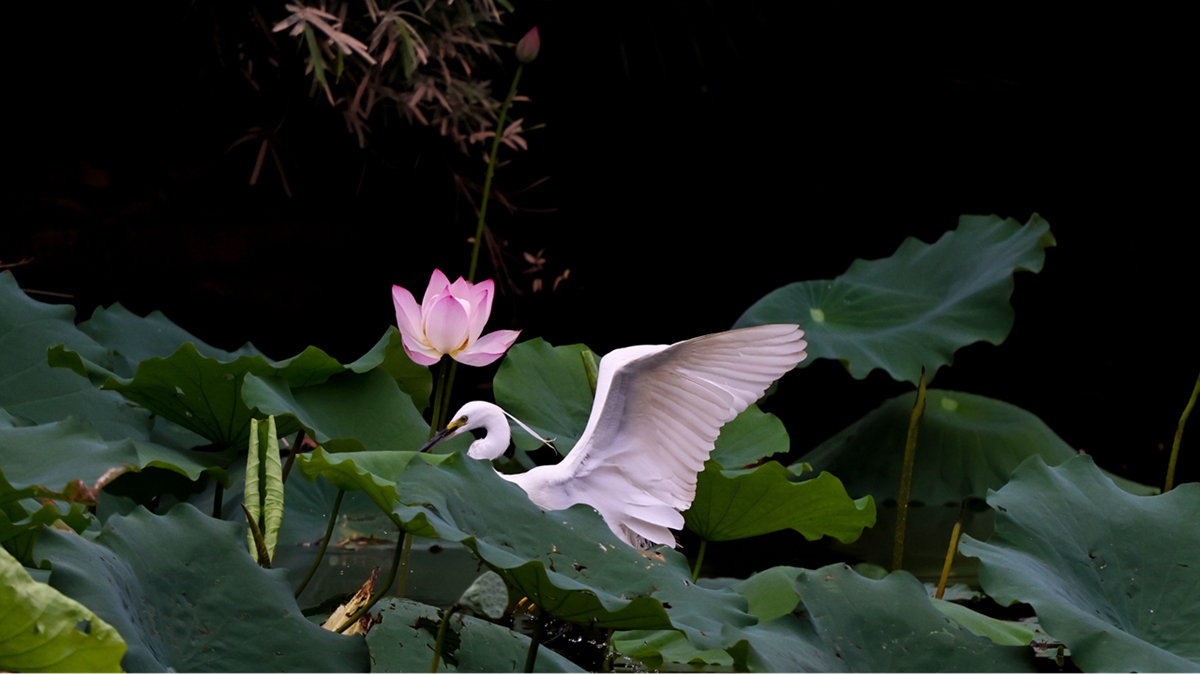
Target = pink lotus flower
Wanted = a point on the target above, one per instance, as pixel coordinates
(449, 321)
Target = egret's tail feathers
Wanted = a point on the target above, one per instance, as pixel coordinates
(643, 535)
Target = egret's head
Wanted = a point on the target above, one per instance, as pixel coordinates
(477, 414)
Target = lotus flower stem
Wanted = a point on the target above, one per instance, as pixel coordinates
(699, 559)
(534, 642)
(435, 422)
(448, 386)
(910, 452)
(1179, 438)
(337, 504)
(441, 637)
(491, 170)
(962, 514)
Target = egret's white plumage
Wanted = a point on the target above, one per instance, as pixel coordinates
(656, 416)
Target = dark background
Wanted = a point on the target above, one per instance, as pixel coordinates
(699, 156)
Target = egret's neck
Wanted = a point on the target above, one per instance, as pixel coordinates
(495, 442)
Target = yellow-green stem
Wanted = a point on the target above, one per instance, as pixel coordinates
(441, 639)
(954, 536)
(491, 170)
(910, 452)
(1179, 438)
(699, 559)
(337, 504)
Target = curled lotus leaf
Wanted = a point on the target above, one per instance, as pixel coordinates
(1111, 575)
(917, 307)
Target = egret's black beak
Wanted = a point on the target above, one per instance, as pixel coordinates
(446, 432)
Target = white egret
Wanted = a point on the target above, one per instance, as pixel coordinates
(656, 416)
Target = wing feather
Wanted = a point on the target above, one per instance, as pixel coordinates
(659, 412)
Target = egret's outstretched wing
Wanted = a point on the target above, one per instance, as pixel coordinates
(658, 412)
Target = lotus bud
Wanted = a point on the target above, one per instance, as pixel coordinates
(527, 48)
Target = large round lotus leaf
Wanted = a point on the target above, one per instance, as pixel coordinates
(68, 460)
(130, 338)
(195, 386)
(917, 307)
(348, 413)
(833, 620)
(670, 651)
(567, 561)
(752, 436)
(43, 631)
(35, 391)
(388, 355)
(547, 388)
(199, 393)
(404, 640)
(890, 625)
(184, 594)
(1113, 576)
(967, 445)
(731, 505)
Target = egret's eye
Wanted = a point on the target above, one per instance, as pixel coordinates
(463, 418)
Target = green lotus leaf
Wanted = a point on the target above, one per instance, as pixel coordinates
(669, 650)
(43, 631)
(185, 595)
(388, 355)
(349, 412)
(1111, 575)
(917, 307)
(1003, 632)
(398, 644)
(770, 592)
(547, 388)
(130, 338)
(892, 625)
(68, 460)
(567, 562)
(199, 393)
(752, 436)
(22, 518)
(967, 445)
(33, 390)
(730, 505)
(840, 621)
